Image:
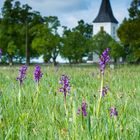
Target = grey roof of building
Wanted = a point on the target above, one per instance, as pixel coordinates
(105, 13)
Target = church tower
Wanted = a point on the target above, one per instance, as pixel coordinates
(105, 20)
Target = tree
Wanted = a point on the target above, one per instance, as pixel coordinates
(9, 29)
(29, 20)
(102, 40)
(134, 10)
(116, 50)
(129, 34)
(84, 28)
(16, 27)
(74, 47)
(76, 42)
(47, 41)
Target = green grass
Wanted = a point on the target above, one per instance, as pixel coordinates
(43, 117)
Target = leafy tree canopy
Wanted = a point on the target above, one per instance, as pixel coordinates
(129, 33)
(102, 40)
(76, 42)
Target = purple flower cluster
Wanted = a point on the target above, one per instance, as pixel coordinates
(22, 74)
(37, 73)
(83, 109)
(104, 59)
(104, 91)
(113, 112)
(64, 81)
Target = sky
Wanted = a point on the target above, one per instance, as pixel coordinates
(71, 11)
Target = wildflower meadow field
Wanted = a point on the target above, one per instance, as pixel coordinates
(65, 103)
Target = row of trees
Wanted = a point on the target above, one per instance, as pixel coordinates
(19, 28)
(129, 32)
(25, 34)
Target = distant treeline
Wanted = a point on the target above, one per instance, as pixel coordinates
(26, 34)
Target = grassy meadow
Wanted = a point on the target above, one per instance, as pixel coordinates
(41, 114)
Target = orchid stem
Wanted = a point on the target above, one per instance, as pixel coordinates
(19, 95)
(65, 105)
(100, 97)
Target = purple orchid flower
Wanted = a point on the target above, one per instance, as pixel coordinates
(22, 74)
(104, 59)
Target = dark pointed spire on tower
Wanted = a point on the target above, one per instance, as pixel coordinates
(105, 13)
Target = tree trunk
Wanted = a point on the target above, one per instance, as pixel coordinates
(138, 61)
(10, 60)
(27, 56)
(54, 61)
(27, 47)
(115, 60)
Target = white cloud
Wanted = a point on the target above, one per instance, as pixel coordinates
(70, 11)
(59, 5)
(70, 21)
